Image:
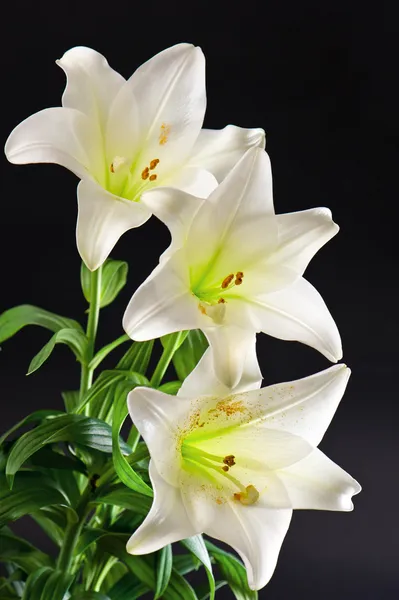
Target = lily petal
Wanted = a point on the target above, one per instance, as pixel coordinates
(298, 312)
(301, 235)
(202, 381)
(232, 351)
(55, 135)
(157, 421)
(170, 99)
(255, 532)
(167, 521)
(91, 83)
(163, 303)
(219, 150)
(102, 219)
(193, 180)
(316, 482)
(224, 225)
(304, 407)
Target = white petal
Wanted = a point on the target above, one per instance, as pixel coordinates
(219, 150)
(304, 407)
(55, 135)
(158, 416)
(167, 521)
(102, 219)
(91, 83)
(168, 92)
(202, 380)
(301, 235)
(255, 532)
(176, 209)
(198, 182)
(233, 350)
(237, 223)
(299, 313)
(318, 483)
(163, 303)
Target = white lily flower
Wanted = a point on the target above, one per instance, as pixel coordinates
(123, 138)
(234, 268)
(233, 464)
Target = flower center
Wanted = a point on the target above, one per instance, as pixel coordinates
(207, 464)
(212, 299)
(129, 181)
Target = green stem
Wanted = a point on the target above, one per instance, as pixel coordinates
(174, 341)
(73, 531)
(91, 332)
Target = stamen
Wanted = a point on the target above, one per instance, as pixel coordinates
(154, 163)
(227, 280)
(163, 136)
(145, 174)
(153, 177)
(229, 460)
(221, 301)
(250, 496)
(225, 469)
(239, 276)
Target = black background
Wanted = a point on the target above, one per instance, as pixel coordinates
(321, 79)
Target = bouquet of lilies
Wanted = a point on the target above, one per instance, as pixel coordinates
(210, 451)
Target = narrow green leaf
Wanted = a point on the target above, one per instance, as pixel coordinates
(71, 399)
(185, 563)
(101, 354)
(233, 571)
(188, 355)
(55, 460)
(89, 596)
(20, 552)
(171, 387)
(125, 472)
(14, 319)
(88, 537)
(35, 583)
(126, 498)
(137, 357)
(39, 415)
(108, 378)
(75, 339)
(203, 593)
(71, 428)
(179, 588)
(163, 570)
(31, 492)
(196, 546)
(113, 279)
(127, 588)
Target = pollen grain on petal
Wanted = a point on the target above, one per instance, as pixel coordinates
(164, 134)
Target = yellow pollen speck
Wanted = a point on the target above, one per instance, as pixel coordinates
(227, 280)
(153, 177)
(163, 136)
(219, 501)
(202, 308)
(154, 163)
(250, 496)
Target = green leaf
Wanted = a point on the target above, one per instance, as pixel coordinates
(39, 415)
(125, 472)
(185, 563)
(105, 350)
(108, 378)
(71, 399)
(77, 429)
(11, 321)
(127, 588)
(188, 355)
(163, 570)
(234, 572)
(20, 552)
(47, 583)
(89, 596)
(113, 279)
(179, 588)
(55, 460)
(31, 492)
(75, 339)
(137, 357)
(126, 498)
(196, 546)
(88, 537)
(171, 387)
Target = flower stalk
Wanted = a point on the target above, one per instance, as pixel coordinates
(91, 332)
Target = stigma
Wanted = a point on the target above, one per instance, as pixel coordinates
(119, 163)
(247, 497)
